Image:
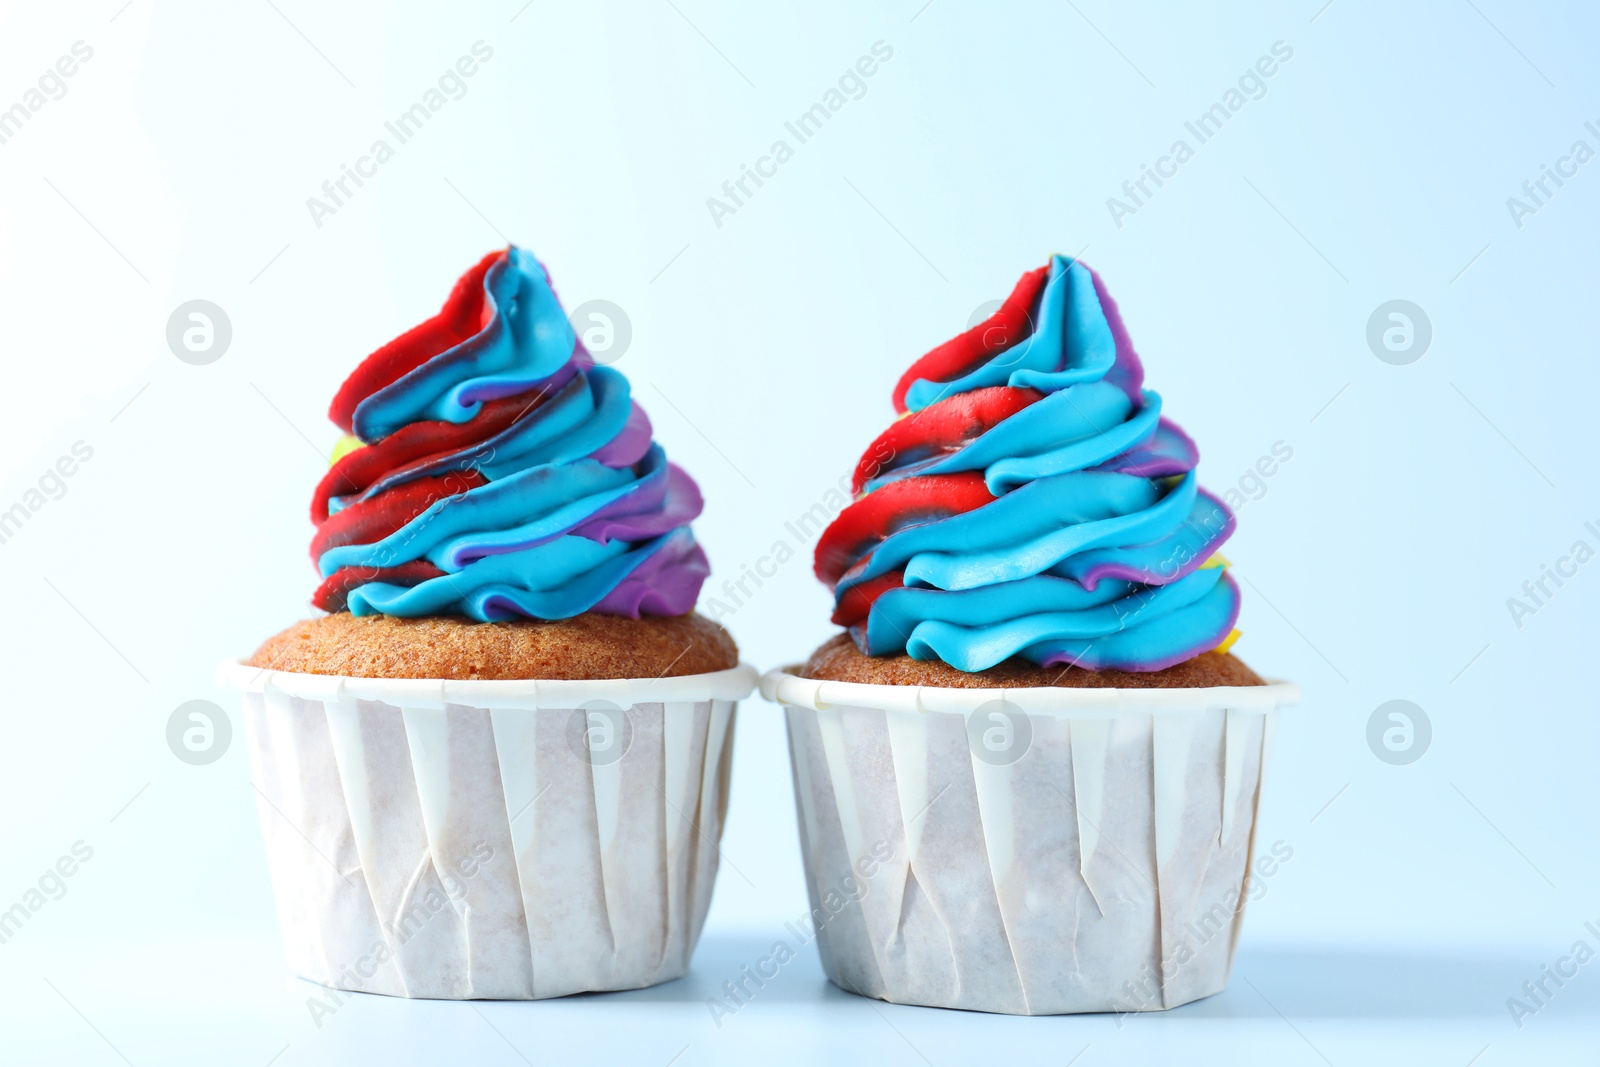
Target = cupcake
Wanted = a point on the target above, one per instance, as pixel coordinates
(1027, 771)
(497, 766)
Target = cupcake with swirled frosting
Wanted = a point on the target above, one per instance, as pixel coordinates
(1031, 736)
(497, 766)
(1033, 518)
(499, 509)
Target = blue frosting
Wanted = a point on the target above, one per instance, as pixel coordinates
(1095, 551)
(581, 510)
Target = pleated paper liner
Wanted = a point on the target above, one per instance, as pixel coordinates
(490, 839)
(1028, 851)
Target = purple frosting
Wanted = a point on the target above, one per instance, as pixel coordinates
(576, 510)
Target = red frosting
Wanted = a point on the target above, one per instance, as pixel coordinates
(414, 445)
(330, 595)
(937, 430)
(400, 463)
(460, 318)
(367, 521)
(940, 429)
(998, 332)
(856, 602)
(894, 507)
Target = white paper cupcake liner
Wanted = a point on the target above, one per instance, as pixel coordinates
(463, 840)
(1096, 864)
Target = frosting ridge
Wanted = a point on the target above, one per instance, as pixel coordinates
(495, 471)
(1033, 500)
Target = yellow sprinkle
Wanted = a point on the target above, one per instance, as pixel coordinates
(344, 446)
(1227, 642)
(1217, 560)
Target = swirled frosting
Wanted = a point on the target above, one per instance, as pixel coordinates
(1033, 500)
(497, 472)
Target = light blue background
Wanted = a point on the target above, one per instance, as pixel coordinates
(1376, 566)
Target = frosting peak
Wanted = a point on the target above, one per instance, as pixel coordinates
(1033, 501)
(496, 472)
